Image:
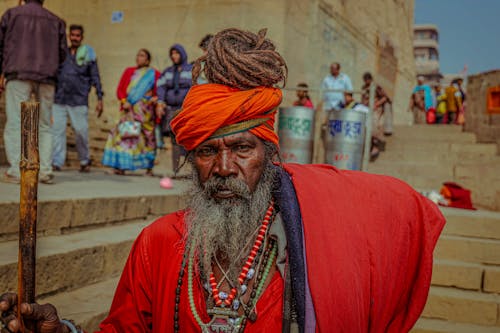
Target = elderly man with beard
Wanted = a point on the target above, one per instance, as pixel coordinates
(266, 247)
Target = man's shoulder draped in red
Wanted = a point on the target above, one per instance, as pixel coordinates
(368, 241)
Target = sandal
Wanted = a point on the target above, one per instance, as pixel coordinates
(119, 172)
(85, 168)
(47, 179)
(374, 156)
(10, 179)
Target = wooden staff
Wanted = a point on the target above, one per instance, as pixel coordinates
(29, 167)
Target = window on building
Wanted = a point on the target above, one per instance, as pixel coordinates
(420, 56)
(420, 35)
(433, 55)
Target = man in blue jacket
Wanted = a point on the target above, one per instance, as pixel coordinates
(172, 87)
(76, 76)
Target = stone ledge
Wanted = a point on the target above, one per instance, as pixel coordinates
(457, 274)
(480, 223)
(462, 306)
(425, 325)
(87, 306)
(491, 281)
(71, 261)
(467, 249)
(55, 216)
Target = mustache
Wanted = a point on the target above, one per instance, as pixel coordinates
(237, 186)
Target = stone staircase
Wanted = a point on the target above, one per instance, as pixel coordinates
(82, 248)
(465, 292)
(427, 156)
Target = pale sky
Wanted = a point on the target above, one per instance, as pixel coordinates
(469, 32)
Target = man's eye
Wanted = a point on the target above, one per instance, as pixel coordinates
(206, 151)
(243, 148)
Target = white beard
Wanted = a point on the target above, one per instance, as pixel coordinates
(226, 229)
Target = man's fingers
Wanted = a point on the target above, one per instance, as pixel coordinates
(12, 323)
(9, 323)
(37, 312)
(7, 301)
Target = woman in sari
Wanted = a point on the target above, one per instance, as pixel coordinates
(131, 144)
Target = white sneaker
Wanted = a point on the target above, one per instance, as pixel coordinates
(47, 179)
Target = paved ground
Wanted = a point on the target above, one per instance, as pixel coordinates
(97, 184)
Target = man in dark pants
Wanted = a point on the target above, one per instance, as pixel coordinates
(32, 46)
(76, 76)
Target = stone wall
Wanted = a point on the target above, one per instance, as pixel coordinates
(485, 126)
(362, 35)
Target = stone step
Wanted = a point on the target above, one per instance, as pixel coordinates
(478, 175)
(426, 129)
(87, 306)
(409, 138)
(468, 223)
(425, 325)
(463, 306)
(418, 145)
(468, 249)
(450, 153)
(475, 170)
(67, 215)
(67, 262)
(401, 169)
(469, 276)
(437, 138)
(427, 183)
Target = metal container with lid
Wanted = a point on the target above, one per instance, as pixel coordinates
(345, 139)
(296, 133)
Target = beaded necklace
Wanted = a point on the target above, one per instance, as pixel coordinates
(225, 319)
(222, 299)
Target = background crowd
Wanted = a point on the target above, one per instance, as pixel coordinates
(38, 60)
(435, 104)
(338, 94)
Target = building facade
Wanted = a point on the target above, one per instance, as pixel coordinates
(426, 52)
(362, 35)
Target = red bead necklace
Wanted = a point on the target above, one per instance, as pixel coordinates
(222, 299)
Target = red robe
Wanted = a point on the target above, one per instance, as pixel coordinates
(368, 241)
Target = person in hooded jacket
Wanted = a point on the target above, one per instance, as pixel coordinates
(172, 87)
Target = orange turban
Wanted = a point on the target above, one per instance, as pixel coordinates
(216, 110)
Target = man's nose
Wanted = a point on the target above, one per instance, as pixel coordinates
(225, 165)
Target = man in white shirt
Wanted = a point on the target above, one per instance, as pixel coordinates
(335, 81)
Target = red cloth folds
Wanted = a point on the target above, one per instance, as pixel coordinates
(369, 241)
(210, 107)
